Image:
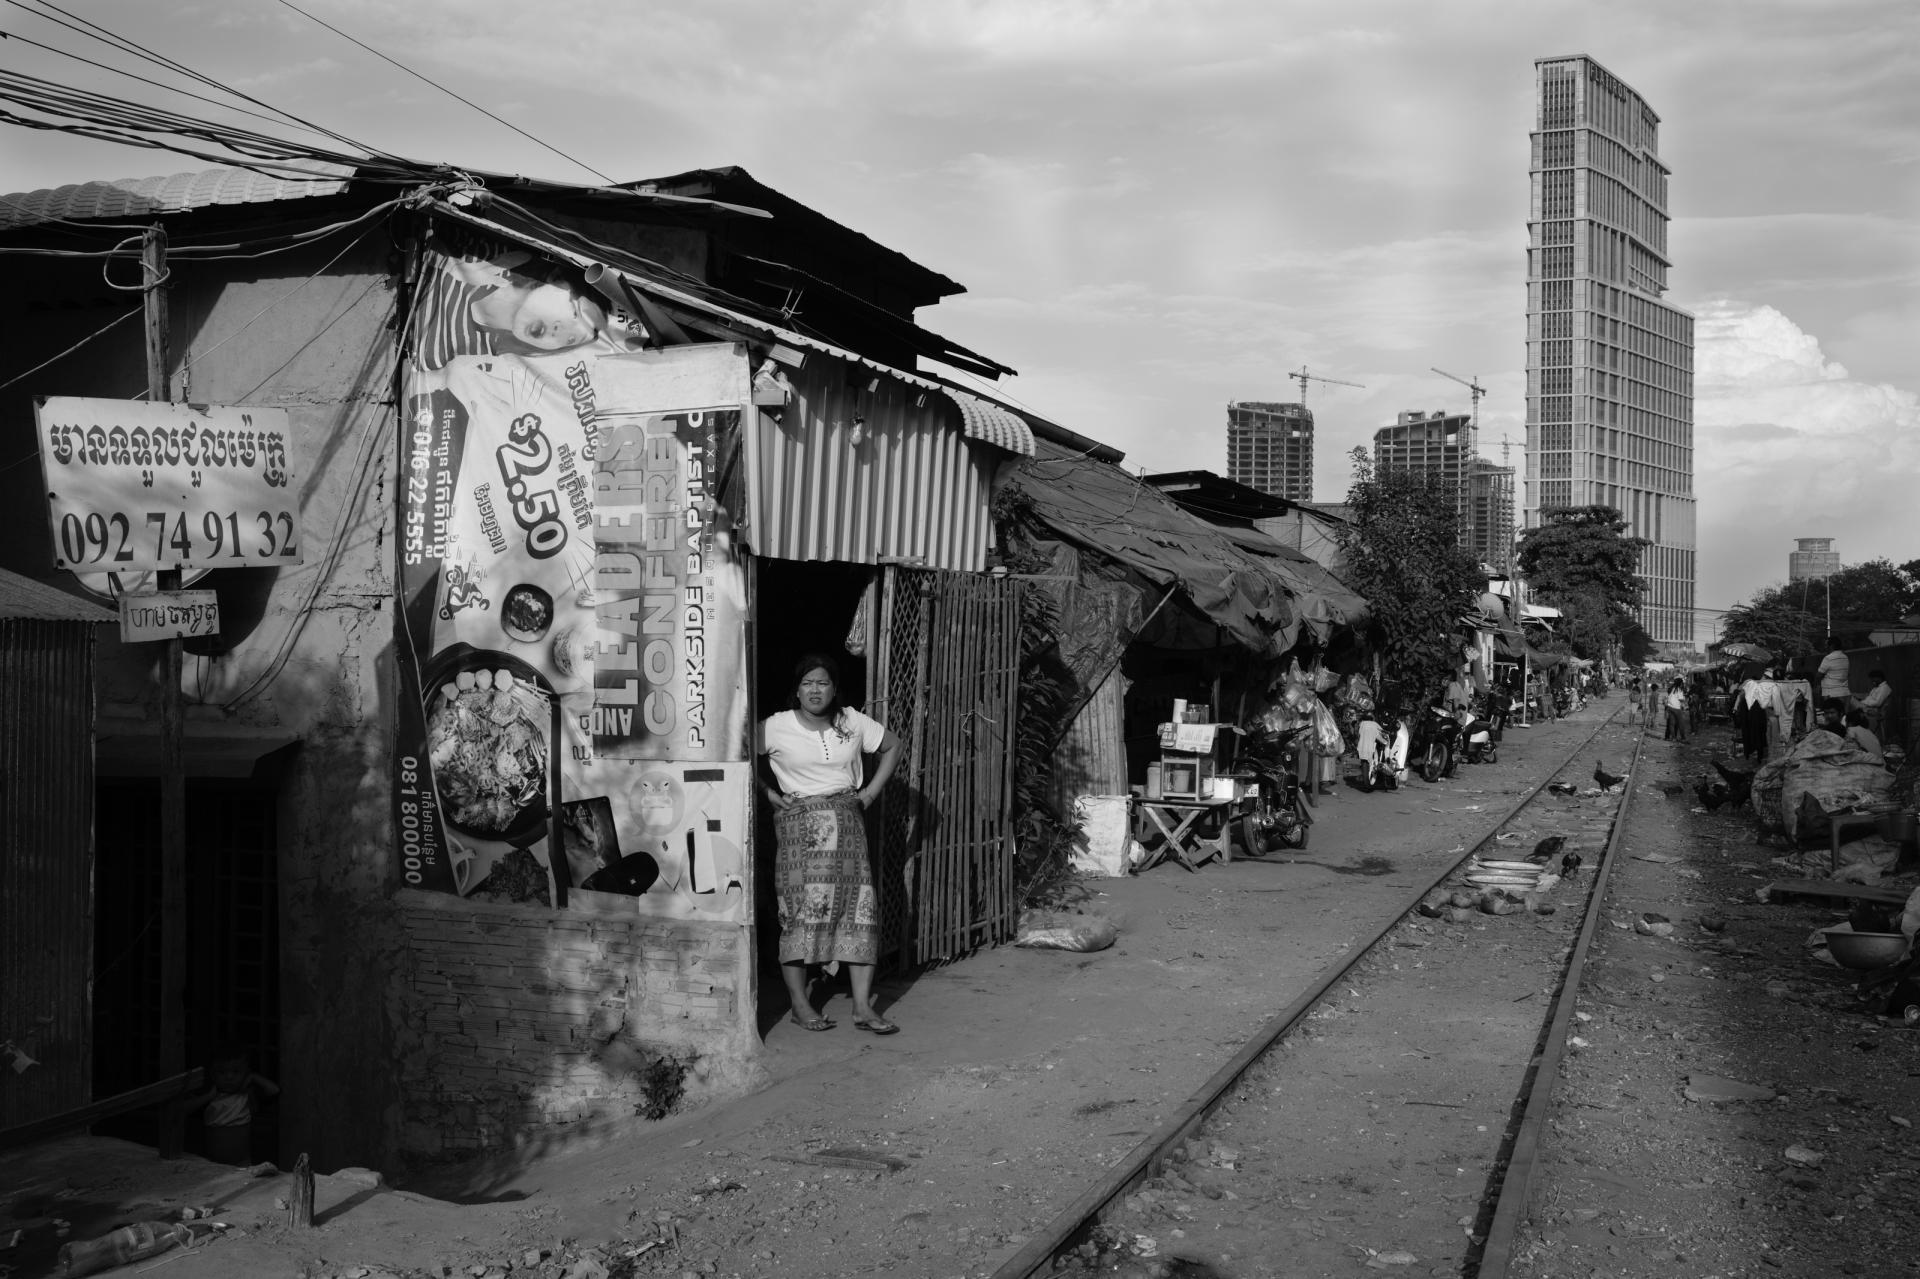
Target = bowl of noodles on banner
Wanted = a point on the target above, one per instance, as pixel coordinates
(491, 727)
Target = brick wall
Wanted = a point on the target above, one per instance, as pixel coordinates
(516, 1021)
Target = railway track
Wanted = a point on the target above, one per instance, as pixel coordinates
(1370, 1077)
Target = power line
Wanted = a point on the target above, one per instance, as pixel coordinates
(122, 44)
(449, 92)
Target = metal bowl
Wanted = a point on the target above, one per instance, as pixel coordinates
(1864, 951)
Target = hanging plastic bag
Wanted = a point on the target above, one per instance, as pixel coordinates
(1324, 680)
(1358, 694)
(1326, 733)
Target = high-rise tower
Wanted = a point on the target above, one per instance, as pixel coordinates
(1609, 363)
(1270, 448)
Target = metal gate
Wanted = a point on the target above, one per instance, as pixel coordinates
(947, 669)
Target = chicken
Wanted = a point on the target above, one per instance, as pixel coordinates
(1603, 779)
(1547, 847)
(1711, 793)
(1570, 865)
(1739, 782)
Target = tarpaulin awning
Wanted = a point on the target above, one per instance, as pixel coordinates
(1096, 505)
(1322, 599)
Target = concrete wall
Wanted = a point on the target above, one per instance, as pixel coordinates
(519, 1022)
(311, 651)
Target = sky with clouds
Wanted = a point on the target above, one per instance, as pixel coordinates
(1158, 206)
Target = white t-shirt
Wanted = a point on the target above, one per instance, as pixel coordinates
(810, 762)
(1833, 675)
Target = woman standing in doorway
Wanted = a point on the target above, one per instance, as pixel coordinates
(814, 776)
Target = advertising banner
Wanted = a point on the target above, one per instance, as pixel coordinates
(572, 725)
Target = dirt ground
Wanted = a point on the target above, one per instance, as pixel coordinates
(1018, 1077)
(1818, 1176)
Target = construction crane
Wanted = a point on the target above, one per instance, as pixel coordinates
(1476, 390)
(1303, 377)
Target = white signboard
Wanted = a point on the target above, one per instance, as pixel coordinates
(133, 485)
(169, 615)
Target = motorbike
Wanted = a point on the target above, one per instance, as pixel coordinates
(1477, 739)
(1435, 734)
(1381, 767)
(1270, 760)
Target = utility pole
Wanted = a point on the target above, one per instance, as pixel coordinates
(173, 775)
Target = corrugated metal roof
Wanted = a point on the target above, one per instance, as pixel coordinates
(22, 597)
(991, 424)
(859, 475)
(176, 193)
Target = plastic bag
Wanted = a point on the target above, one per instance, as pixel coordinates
(1326, 732)
(1323, 679)
(1049, 930)
(1358, 694)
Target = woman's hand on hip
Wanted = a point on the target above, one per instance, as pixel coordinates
(779, 801)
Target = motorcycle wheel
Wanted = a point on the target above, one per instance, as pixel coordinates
(1430, 766)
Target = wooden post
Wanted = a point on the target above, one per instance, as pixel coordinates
(173, 779)
(300, 1193)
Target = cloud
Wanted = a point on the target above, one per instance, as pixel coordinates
(1788, 444)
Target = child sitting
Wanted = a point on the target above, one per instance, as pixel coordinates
(229, 1103)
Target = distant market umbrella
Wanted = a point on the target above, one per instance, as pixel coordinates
(1749, 652)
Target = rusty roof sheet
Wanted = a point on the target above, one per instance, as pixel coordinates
(24, 598)
(176, 193)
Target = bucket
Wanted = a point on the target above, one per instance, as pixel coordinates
(1899, 827)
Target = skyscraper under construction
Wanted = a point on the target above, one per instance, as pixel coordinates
(1609, 362)
(1438, 444)
(1270, 448)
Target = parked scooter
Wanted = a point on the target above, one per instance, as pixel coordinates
(1382, 749)
(1476, 739)
(1435, 734)
(1271, 761)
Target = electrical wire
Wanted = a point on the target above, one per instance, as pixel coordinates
(449, 92)
(126, 45)
(167, 88)
(111, 324)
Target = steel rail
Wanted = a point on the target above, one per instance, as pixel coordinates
(1516, 1183)
(1145, 1160)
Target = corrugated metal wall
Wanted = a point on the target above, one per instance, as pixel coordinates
(1092, 758)
(46, 864)
(912, 485)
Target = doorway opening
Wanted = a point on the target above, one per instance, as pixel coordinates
(800, 607)
(233, 941)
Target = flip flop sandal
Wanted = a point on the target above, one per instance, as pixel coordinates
(812, 1023)
(876, 1026)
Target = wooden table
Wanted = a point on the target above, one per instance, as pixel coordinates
(1180, 823)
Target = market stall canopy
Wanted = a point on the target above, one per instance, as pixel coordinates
(1098, 506)
(1322, 599)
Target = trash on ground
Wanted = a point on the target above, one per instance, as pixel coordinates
(1052, 930)
(1804, 1156)
(1720, 1088)
(1652, 925)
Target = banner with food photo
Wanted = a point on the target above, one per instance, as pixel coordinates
(564, 572)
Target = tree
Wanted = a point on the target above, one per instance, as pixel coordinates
(1791, 619)
(1402, 553)
(1582, 561)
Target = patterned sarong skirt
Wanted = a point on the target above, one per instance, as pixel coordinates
(828, 909)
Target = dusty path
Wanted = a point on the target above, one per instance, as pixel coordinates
(1018, 1075)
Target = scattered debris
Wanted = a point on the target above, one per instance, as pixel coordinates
(1803, 1156)
(1719, 1088)
(1652, 925)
